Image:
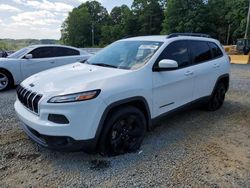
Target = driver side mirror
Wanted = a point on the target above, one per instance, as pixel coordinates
(167, 64)
(28, 56)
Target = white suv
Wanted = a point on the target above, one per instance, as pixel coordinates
(108, 103)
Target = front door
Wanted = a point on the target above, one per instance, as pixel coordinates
(42, 59)
(173, 88)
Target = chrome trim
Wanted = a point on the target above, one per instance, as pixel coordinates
(24, 95)
(33, 103)
(28, 98)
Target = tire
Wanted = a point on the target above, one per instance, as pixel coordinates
(246, 50)
(123, 132)
(6, 80)
(217, 98)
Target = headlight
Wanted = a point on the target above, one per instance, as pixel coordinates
(75, 97)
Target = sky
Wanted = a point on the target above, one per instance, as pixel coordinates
(40, 19)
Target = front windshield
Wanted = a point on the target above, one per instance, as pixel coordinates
(125, 54)
(20, 53)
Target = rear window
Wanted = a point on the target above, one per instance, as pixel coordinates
(216, 51)
(200, 51)
(61, 51)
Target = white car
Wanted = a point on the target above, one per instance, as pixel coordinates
(108, 103)
(33, 59)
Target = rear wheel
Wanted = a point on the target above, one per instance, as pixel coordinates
(123, 131)
(5, 80)
(217, 98)
(246, 50)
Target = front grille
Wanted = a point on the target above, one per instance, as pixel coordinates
(28, 98)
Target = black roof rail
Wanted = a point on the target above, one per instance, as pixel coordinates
(188, 34)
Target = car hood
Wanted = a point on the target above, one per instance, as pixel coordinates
(5, 60)
(71, 78)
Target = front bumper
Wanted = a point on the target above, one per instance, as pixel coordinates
(84, 118)
(60, 143)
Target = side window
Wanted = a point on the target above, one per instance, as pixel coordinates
(200, 51)
(177, 51)
(215, 50)
(71, 52)
(42, 52)
(61, 51)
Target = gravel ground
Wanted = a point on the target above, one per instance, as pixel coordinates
(191, 149)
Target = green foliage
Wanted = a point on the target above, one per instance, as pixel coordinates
(184, 16)
(212, 17)
(120, 25)
(149, 14)
(12, 44)
(145, 17)
(76, 30)
(152, 17)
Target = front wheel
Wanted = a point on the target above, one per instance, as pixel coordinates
(217, 98)
(5, 80)
(123, 131)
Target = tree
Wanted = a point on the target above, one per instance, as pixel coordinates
(76, 29)
(222, 19)
(98, 17)
(3, 46)
(184, 16)
(120, 25)
(149, 14)
(214, 17)
(225, 15)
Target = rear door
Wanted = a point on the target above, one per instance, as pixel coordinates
(64, 56)
(206, 65)
(173, 88)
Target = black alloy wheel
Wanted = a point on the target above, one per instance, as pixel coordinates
(217, 98)
(124, 131)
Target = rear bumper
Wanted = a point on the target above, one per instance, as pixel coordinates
(60, 143)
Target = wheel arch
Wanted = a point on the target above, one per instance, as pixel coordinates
(138, 102)
(6, 70)
(225, 79)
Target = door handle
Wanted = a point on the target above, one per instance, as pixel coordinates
(189, 73)
(216, 65)
(52, 62)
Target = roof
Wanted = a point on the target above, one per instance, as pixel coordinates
(163, 38)
(160, 38)
(82, 52)
(50, 45)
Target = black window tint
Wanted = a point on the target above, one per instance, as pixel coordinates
(61, 51)
(200, 51)
(42, 52)
(215, 50)
(177, 51)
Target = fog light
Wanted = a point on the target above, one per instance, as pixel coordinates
(57, 118)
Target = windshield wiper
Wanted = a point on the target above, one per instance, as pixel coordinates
(105, 65)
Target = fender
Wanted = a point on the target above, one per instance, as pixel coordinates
(14, 68)
(116, 104)
(6, 70)
(219, 79)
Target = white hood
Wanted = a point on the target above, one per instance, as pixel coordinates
(6, 60)
(71, 78)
